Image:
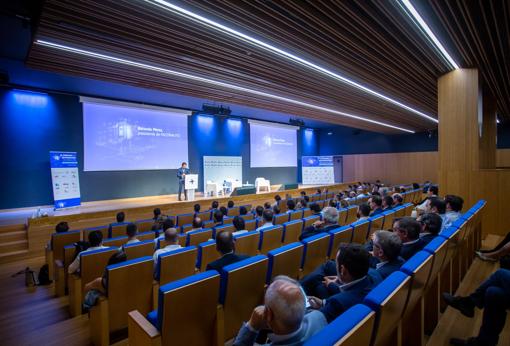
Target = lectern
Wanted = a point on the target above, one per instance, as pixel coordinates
(190, 185)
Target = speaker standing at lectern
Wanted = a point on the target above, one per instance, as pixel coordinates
(181, 174)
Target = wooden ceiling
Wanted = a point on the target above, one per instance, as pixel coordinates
(371, 42)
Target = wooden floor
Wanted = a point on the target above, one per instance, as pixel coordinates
(35, 317)
(455, 325)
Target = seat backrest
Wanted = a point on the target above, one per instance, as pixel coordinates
(351, 215)
(360, 231)
(178, 309)
(186, 228)
(389, 216)
(376, 224)
(175, 265)
(285, 260)
(388, 300)
(59, 240)
(338, 235)
(204, 215)
(116, 241)
(197, 237)
(149, 235)
(92, 264)
(342, 216)
(270, 238)
(247, 243)
(418, 268)
(315, 252)
(208, 224)
(69, 255)
(87, 231)
(438, 247)
(279, 219)
(250, 225)
(308, 221)
(408, 209)
(248, 217)
(140, 249)
(400, 211)
(291, 231)
(229, 227)
(144, 225)
(183, 219)
(206, 254)
(118, 230)
(129, 287)
(234, 211)
(307, 212)
(296, 215)
(241, 290)
(353, 327)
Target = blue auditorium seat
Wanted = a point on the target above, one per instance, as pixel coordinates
(285, 260)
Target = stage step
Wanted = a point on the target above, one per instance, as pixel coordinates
(13, 246)
(13, 236)
(13, 256)
(12, 228)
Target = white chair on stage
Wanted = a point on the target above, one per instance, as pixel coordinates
(262, 183)
(213, 189)
(231, 184)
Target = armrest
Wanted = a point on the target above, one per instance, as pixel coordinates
(141, 331)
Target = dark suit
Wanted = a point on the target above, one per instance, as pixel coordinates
(311, 230)
(376, 212)
(225, 260)
(427, 238)
(392, 266)
(181, 172)
(350, 296)
(408, 250)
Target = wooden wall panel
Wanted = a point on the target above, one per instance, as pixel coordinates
(503, 158)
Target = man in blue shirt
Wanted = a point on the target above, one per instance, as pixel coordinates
(181, 174)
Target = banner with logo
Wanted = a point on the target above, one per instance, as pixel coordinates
(317, 170)
(65, 179)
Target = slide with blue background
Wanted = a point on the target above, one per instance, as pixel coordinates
(118, 137)
(272, 146)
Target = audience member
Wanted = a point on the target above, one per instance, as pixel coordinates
(225, 245)
(196, 208)
(432, 191)
(239, 225)
(386, 252)
(166, 224)
(172, 243)
(197, 224)
(277, 200)
(276, 210)
(398, 200)
(454, 206)
(493, 296)
(291, 205)
(224, 211)
(408, 229)
(430, 227)
(132, 232)
(329, 221)
(375, 203)
(214, 206)
(95, 242)
(243, 210)
(61, 227)
(350, 285)
(157, 214)
(363, 212)
(218, 218)
(120, 221)
(315, 208)
(387, 202)
(258, 213)
(284, 313)
(267, 205)
(230, 204)
(333, 203)
(267, 218)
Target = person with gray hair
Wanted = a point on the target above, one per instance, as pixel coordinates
(386, 253)
(283, 313)
(329, 221)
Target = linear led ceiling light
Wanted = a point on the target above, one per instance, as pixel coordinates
(210, 81)
(256, 42)
(424, 28)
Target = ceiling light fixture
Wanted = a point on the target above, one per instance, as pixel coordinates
(210, 81)
(254, 41)
(418, 21)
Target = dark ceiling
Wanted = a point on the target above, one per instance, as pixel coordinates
(371, 42)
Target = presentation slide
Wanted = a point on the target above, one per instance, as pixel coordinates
(272, 145)
(123, 137)
(317, 170)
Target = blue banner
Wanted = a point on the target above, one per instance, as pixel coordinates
(317, 170)
(65, 179)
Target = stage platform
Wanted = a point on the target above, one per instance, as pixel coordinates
(22, 215)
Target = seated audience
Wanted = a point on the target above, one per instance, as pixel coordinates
(224, 210)
(95, 242)
(276, 210)
(350, 285)
(230, 204)
(303, 193)
(430, 227)
(61, 227)
(344, 203)
(291, 205)
(277, 200)
(197, 224)
(329, 221)
(267, 218)
(363, 212)
(454, 206)
(333, 203)
(132, 232)
(315, 208)
(225, 245)
(387, 203)
(493, 296)
(284, 313)
(166, 224)
(157, 214)
(375, 203)
(258, 213)
(214, 206)
(386, 252)
(172, 243)
(99, 284)
(398, 200)
(416, 186)
(196, 208)
(120, 221)
(218, 218)
(432, 191)
(267, 205)
(243, 210)
(408, 229)
(239, 225)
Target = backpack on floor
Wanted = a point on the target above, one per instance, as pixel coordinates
(44, 276)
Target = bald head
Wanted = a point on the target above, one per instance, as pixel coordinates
(171, 235)
(286, 303)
